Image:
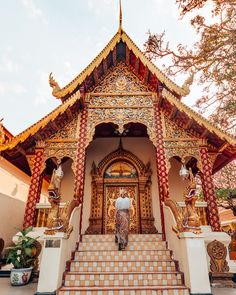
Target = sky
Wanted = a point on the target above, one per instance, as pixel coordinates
(63, 37)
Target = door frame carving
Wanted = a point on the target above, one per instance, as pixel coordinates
(144, 173)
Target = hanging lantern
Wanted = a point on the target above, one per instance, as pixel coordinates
(183, 172)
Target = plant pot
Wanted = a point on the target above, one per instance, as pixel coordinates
(21, 276)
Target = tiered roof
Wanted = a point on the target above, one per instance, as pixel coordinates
(121, 47)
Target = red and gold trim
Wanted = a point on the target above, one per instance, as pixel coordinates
(208, 190)
(34, 189)
(161, 163)
(81, 156)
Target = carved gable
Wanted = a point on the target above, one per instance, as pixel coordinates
(172, 130)
(121, 79)
(67, 131)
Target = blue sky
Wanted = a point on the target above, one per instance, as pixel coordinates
(63, 36)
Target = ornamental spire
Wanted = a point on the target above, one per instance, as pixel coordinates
(120, 19)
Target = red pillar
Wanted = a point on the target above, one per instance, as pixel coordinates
(34, 189)
(161, 163)
(208, 190)
(81, 157)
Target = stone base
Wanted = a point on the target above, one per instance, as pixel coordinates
(222, 280)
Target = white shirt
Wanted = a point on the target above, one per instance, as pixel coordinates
(123, 203)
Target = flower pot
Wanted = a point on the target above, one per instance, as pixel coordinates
(20, 276)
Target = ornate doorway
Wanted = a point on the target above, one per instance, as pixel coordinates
(121, 169)
(119, 175)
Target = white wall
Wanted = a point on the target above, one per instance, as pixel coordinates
(176, 184)
(101, 147)
(14, 186)
(67, 184)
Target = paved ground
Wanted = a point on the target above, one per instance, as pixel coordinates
(224, 291)
(7, 289)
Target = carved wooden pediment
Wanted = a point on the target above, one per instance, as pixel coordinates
(120, 79)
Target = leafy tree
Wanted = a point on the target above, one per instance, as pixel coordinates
(212, 59)
(225, 181)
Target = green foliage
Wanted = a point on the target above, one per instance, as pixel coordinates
(21, 255)
(224, 193)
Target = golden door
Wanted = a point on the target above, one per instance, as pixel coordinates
(112, 192)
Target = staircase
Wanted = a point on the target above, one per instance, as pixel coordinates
(145, 267)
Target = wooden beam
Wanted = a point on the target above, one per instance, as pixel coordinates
(136, 66)
(95, 75)
(114, 58)
(146, 75)
(188, 124)
(127, 59)
(54, 125)
(105, 67)
(173, 113)
(204, 133)
(69, 114)
(223, 147)
(160, 99)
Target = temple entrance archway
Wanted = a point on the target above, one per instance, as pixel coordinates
(121, 169)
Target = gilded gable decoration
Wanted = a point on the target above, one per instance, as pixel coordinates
(60, 150)
(120, 79)
(68, 131)
(122, 101)
(172, 130)
(121, 117)
(179, 142)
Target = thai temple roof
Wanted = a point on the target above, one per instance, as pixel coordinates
(122, 48)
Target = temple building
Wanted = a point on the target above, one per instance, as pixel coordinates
(122, 124)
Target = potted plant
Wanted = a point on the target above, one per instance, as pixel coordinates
(22, 256)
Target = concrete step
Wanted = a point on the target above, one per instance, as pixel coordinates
(132, 245)
(151, 290)
(80, 279)
(127, 255)
(132, 238)
(125, 266)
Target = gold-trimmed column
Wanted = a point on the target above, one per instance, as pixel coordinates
(161, 162)
(81, 156)
(35, 186)
(208, 190)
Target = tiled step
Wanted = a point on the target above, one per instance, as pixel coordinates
(132, 238)
(122, 266)
(127, 255)
(151, 290)
(123, 279)
(147, 245)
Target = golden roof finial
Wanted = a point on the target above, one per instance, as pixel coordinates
(120, 20)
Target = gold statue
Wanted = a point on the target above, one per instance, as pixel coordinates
(54, 222)
(188, 221)
(191, 219)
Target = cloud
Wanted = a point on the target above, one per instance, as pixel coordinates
(33, 11)
(8, 65)
(98, 9)
(11, 88)
(43, 92)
